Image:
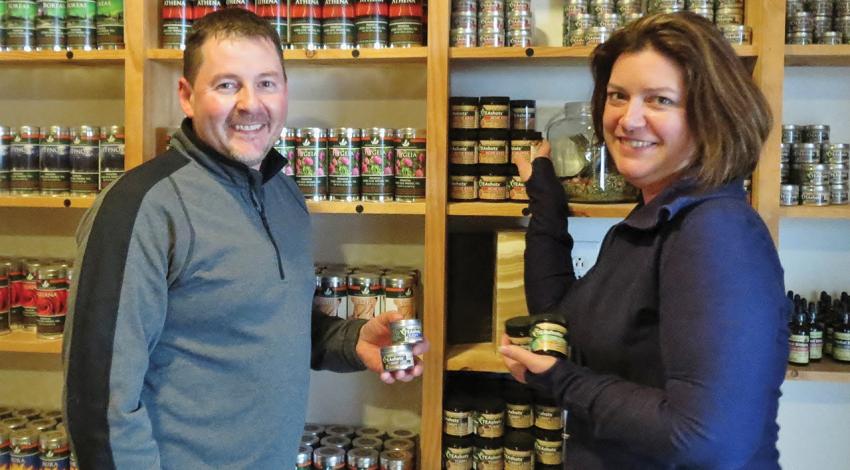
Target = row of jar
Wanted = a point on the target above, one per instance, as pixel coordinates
(491, 23)
(807, 152)
(57, 25)
(349, 164)
(34, 295)
(311, 24)
(58, 160)
(819, 329)
(537, 449)
(351, 292)
(32, 439)
(365, 447)
(817, 22)
(488, 183)
(491, 112)
(813, 195)
(491, 146)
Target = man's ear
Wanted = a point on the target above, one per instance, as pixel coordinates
(185, 93)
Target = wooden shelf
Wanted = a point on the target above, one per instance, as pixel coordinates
(817, 55)
(816, 212)
(73, 202)
(535, 53)
(112, 57)
(26, 342)
(324, 56)
(483, 357)
(513, 209)
(366, 207)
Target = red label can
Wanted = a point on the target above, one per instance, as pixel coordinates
(51, 297)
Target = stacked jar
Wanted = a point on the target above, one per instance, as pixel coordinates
(817, 22)
(485, 132)
(491, 23)
(350, 292)
(350, 164)
(520, 24)
(591, 23)
(61, 25)
(814, 171)
(58, 160)
(34, 295)
(32, 438)
(332, 446)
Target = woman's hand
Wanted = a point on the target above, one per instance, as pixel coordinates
(539, 149)
(374, 335)
(519, 360)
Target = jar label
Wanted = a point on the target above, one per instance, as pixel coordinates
(490, 424)
(344, 170)
(310, 169)
(410, 170)
(489, 459)
(364, 306)
(397, 360)
(548, 452)
(493, 188)
(457, 423)
(518, 192)
(463, 188)
(841, 346)
(24, 462)
(519, 416)
(458, 458)
(376, 170)
(546, 343)
(338, 32)
(521, 149)
(110, 23)
(332, 306)
(815, 345)
(28, 302)
(492, 151)
(519, 459)
(548, 417)
(799, 349)
(495, 116)
(463, 152)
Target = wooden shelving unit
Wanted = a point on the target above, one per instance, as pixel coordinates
(816, 212)
(72, 202)
(516, 209)
(826, 370)
(108, 57)
(817, 55)
(26, 342)
(324, 56)
(576, 54)
(366, 208)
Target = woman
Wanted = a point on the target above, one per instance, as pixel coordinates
(679, 331)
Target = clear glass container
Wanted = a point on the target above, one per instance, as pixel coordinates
(583, 165)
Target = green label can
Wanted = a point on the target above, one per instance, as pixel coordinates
(20, 24)
(311, 163)
(410, 165)
(81, 28)
(110, 24)
(50, 25)
(376, 165)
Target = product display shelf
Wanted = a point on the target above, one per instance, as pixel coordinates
(815, 212)
(366, 207)
(26, 342)
(78, 57)
(826, 370)
(324, 56)
(569, 54)
(818, 55)
(74, 202)
(515, 209)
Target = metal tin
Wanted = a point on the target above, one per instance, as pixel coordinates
(5, 143)
(311, 163)
(405, 25)
(491, 38)
(363, 458)
(341, 442)
(400, 294)
(802, 38)
(802, 21)
(816, 133)
(465, 5)
(784, 172)
(835, 153)
(314, 429)
(54, 156)
(815, 195)
(821, 7)
(785, 153)
(822, 24)
(43, 425)
(396, 358)
(15, 268)
(829, 37)
(838, 194)
(5, 301)
(629, 7)
(344, 164)
(396, 460)
(85, 160)
(338, 28)
(791, 134)
(50, 25)
(24, 445)
(368, 431)
(410, 156)
(329, 458)
(575, 7)
(29, 285)
(372, 23)
(488, 22)
(55, 415)
(286, 145)
(111, 154)
(518, 6)
(792, 7)
(838, 173)
(727, 15)
(737, 34)
(842, 8)
(81, 25)
(176, 20)
(331, 297)
(14, 422)
(612, 21)
(377, 164)
(304, 458)
(407, 331)
(463, 38)
(52, 298)
(601, 7)
(20, 24)
(596, 35)
(806, 152)
(340, 430)
(789, 195)
(310, 440)
(109, 22)
(305, 24)
(520, 21)
(24, 162)
(365, 295)
(401, 443)
(464, 20)
(519, 38)
(401, 433)
(491, 6)
(810, 174)
(368, 442)
(707, 13)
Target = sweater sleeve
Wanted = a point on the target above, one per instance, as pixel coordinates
(334, 341)
(548, 246)
(116, 314)
(723, 342)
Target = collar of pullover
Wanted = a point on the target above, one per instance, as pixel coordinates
(224, 168)
(676, 198)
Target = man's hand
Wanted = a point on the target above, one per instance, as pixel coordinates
(539, 149)
(519, 360)
(374, 335)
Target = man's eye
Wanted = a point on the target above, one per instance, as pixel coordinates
(226, 86)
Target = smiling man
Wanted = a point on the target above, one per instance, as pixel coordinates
(189, 337)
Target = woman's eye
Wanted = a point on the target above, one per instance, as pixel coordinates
(664, 101)
(615, 96)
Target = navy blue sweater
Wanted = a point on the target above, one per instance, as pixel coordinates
(679, 331)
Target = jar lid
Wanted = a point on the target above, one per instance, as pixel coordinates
(463, 134)
(458, 401)
(464, 100)
(495, 100)
(517, 393)
(518, 326)
(519, 440)
(455, 442)
(513, 170)
(526, 134)
(523, 103)
(463, 170)
(488, 443)
(549, 318)
(547, 435)
(487, 169)
(494, 134)
(491, 404)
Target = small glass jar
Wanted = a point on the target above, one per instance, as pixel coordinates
(547, 413)
(463, 112)
(458, 419)
(519, 412)
(488, 454)
(490, 417)
(523, 114)
(493, 145)
(548, 449)
(516, 186)
(463, 182)
(494, 112)
(518, 330)
(463, 147)
(549, 335)
(492, 183)
(519, 450)
(457, 452)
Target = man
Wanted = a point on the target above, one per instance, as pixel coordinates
(188, 339)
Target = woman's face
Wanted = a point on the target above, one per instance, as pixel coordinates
(644, 121)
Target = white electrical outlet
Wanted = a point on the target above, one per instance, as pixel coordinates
(584, 256)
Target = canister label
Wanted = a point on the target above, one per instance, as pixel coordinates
(548, 452)
(489, 459)
(457, 423)
(798, 349)
(490, 424)
(841, 346)
(458, 458)
(519, 459)
(519, 416)
(548, 417)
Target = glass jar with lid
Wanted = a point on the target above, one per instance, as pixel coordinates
(582, 164)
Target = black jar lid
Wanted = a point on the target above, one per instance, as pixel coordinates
(513, 170)
(519, 440)
(542, 399)
(456, 442)
(488, 442)
(518, 327)
(458, 402)
(490, 404)
(463, 134)
(463, 170)
(526, 134)
(495, 100)
(549, 318)
(523, 103)
(494, 134)
(473, 100)
(517, 393)
(493, 169)
(548, 435)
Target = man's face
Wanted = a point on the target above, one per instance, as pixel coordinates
(238, 100)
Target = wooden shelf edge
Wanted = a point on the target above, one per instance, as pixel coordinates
(322, 56)
(483, 357)
(26, 342)
(815, 212)
(577, 53)
(516, 209)
(366, 208)
(58, 202)
(115, 56)
(817, 55)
